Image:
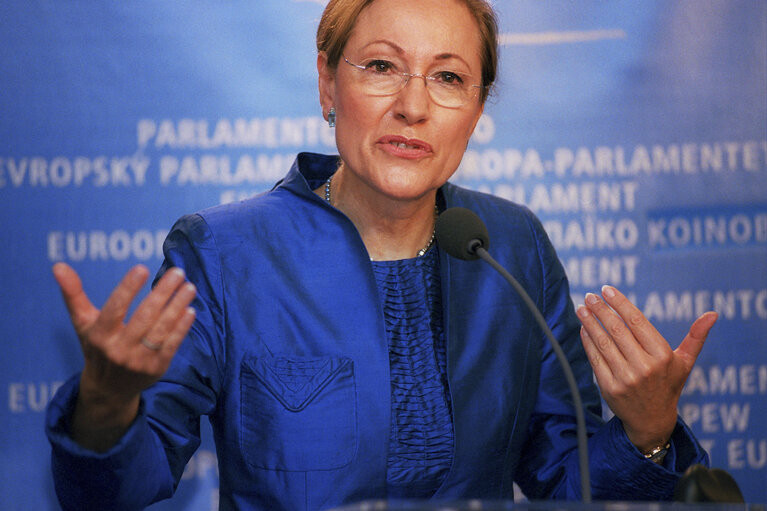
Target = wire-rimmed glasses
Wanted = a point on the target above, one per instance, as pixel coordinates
(379, 77)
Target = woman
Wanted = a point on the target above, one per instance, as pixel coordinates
(339, 353)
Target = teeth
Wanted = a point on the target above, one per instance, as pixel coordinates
(403, 145)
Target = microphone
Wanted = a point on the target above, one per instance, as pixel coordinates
(460, 232)
(702, 484)
(463, 235)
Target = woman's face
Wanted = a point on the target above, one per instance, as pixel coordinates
(418, 36)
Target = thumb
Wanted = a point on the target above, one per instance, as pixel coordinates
(81, 310)
(692, 344)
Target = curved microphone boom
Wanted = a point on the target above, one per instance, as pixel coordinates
(463, 235)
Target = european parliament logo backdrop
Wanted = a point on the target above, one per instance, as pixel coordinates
(637, 131)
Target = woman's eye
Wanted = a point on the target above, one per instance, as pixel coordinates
(449, 77)
(379, 66)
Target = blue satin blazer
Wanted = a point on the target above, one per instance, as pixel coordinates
(288, 358)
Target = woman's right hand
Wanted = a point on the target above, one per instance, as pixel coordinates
(122, 358)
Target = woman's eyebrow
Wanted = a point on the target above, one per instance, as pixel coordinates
(399, 50)
(386, 42)
(449, 56)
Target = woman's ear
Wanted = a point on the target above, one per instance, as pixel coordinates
(327, 83)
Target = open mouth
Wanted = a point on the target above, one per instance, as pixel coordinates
(406, 144)
(403, 145)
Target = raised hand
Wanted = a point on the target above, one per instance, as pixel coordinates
(122, 359)
(640, 376)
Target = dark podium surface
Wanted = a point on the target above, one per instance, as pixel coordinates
(505, 505)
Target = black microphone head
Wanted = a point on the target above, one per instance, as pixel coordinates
(460, 232)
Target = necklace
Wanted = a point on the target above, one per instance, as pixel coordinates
(433, 232)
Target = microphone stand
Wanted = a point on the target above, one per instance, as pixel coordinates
(476, 247)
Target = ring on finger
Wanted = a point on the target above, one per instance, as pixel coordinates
(154, 346)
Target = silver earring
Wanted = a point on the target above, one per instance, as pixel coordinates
(332, 117)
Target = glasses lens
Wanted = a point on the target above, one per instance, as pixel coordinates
(383, 84)
(378, 78)
(449, 94)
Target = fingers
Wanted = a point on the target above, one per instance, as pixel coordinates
(170, 327)
(608, 331)
(175, 319)
(157, 361)
(601, 368)
(617, 338)
(81, 310)
(178, 333)
(641, 328)
(159, 311)
(692, 344)
(116, 307)
(702, 326)
(615, 331)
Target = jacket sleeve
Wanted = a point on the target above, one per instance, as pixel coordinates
(548, 465)
(147, 463)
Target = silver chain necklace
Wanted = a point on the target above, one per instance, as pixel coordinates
(420, 252)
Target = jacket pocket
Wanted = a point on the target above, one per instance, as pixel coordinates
(298, 413)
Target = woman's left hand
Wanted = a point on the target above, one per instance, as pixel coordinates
(640, 376)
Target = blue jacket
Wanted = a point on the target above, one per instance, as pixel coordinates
(288, 358)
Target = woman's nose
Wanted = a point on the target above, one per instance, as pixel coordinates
(413, 101)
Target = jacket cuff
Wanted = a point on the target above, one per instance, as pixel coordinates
(621, 471)
(86, 479)
(58, 430)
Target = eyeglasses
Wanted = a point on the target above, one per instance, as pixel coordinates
(379, 77)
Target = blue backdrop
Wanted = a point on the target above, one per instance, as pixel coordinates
(636, 130)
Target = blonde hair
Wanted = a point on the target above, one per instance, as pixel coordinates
(339, 17)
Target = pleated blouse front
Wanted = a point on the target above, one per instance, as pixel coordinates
(421, 434)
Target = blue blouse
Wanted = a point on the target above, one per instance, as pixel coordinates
(421, 434)
(298, 389)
